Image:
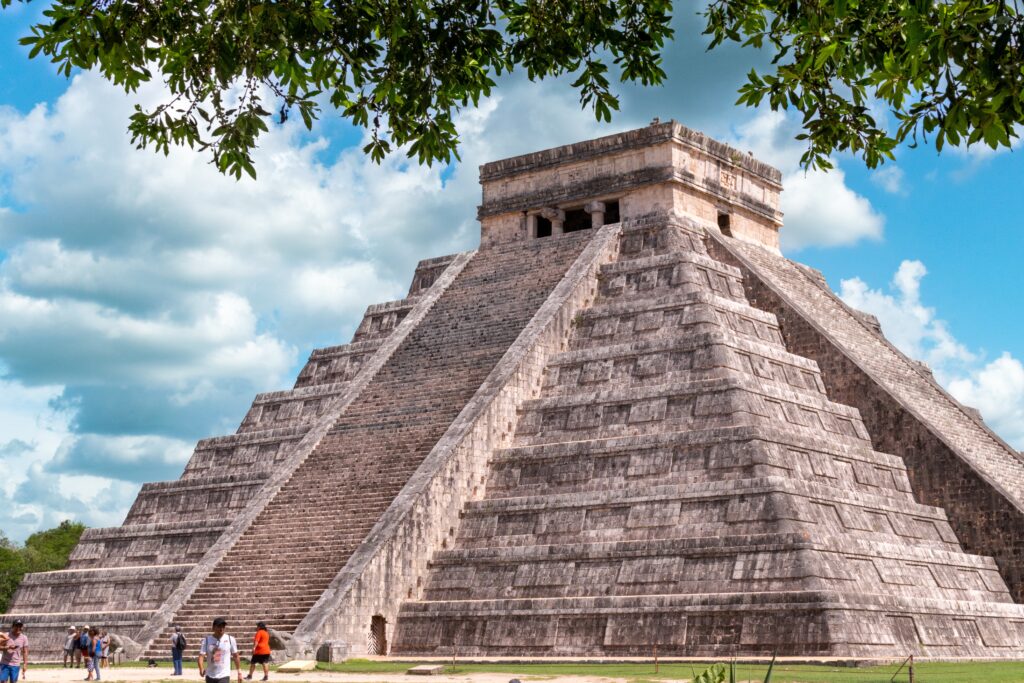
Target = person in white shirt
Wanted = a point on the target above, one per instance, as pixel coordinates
(70, 646)
(220, 649)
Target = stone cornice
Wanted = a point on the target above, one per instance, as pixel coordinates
(617, 183)
(634, 139)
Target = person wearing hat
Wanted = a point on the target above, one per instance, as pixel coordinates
(178, 645)
(84, 645)
(70, 647)
(220, 649)
(13, 653)
(260, 651)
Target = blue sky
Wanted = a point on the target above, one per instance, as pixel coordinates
(144, 300)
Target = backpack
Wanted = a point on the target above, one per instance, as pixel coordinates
(182, 642)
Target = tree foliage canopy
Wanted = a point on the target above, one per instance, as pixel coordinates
(948, 71)
(401, 68)
(43, 551)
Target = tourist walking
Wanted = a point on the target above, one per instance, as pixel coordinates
(220, 649)
(77, 647)
(116, 647)
(178, 645)
(70, 646)
(84, 644)
(13, 653)
(260, 651)
(92, 665)
(105, 656)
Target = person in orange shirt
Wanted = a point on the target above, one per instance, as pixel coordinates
(260, 651)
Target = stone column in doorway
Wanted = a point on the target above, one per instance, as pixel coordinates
(557, 218)
(596, 211)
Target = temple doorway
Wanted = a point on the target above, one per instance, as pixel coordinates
(377, 643)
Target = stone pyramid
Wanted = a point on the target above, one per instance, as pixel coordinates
(624, 422)
(684, 482)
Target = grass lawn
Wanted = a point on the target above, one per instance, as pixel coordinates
(162, 664)
(957, 672)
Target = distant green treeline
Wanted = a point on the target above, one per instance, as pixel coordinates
(43, 551)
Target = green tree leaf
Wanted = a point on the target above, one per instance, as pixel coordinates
(43, 551)
(947, 72)
(403, 70)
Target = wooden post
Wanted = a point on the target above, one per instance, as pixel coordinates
(655, 658)
(911, 668)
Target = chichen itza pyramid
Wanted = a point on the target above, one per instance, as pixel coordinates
(625, 421)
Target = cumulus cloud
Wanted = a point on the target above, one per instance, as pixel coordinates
(820, 208)
(36, 499)
(975, 157)
(14, 448)
(909, 324)
(125, 458)
(315, 288)
(34, 429)
(890, 178)
(997, 390)
(30, 417)
(90, 343)
(994, 387)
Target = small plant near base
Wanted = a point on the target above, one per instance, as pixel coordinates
(720, 673)
(713, 674)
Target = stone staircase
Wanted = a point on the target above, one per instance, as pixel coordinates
(284, 561)
(684, 482)
(118, 577)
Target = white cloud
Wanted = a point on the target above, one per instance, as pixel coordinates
(14, 448)
(976, 157)
(37, 499)
(34, 429)
(123, 458)
(90, 343)
(909, 324)
(996, 388)
(820, 209)
(890, 178)
(29, 417)
(315, 288)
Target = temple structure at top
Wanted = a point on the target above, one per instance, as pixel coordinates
(625, 421)
(665, 168)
